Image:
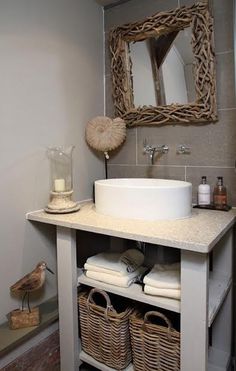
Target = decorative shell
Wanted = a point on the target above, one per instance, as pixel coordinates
(105, 134)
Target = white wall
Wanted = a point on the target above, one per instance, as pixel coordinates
(143, 82)
(51, 68)
(174, 78)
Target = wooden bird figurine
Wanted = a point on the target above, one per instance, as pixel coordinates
(31, 282)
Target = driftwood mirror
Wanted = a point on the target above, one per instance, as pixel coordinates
(173, 44)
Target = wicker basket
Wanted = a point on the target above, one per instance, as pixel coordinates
(104, 332)
(154, 347)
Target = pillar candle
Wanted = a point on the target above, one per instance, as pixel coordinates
(59, 185)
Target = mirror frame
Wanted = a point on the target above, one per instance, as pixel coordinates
(203, 109)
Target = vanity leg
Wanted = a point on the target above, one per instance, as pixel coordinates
(67, 297)
(194, 311)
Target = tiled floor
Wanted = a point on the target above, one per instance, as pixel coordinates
(44, 357)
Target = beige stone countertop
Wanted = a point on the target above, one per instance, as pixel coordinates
(198, 233)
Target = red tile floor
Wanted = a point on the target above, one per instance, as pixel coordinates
(43, 357)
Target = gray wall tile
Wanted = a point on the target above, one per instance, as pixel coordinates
(126, 154)
(166, 172)
(213, 146)
(186, 2)
(223, 25)
(109, 106)
(107, 54)
(225, 80)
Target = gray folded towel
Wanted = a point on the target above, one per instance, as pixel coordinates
(133, 259)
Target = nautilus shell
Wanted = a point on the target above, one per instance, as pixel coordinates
(105, 134)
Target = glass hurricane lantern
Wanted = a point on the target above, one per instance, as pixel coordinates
(61, 180)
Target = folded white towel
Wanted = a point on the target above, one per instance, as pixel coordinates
(95, 268)
(117, 263)
(168, 293)
(165, 276)
(122, 281)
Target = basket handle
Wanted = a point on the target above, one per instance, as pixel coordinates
(109, 306)
(160, 315)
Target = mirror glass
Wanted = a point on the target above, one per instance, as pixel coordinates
(162, 69)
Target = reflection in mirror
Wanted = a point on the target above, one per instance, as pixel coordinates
(157, 95)
(162, 69)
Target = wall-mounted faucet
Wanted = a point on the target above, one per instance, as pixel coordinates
(151, 150)
(183, 149)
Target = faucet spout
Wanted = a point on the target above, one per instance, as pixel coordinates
(151, 155)
(151, 150)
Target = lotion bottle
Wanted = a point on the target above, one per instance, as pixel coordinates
(220, 193)
(204, 192)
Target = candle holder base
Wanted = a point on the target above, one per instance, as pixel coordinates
(61, 203)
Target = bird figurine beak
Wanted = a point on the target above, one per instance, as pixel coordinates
(49, 270)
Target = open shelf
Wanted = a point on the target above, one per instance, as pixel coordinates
(218, 289)
(100, 366)
(132, 292)
(10, 339)
(218, 361)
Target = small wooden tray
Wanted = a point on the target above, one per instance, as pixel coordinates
(213, 207)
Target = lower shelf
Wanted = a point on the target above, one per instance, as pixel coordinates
(215, 355)
(133, 292)
(219, 286)
(100, 366)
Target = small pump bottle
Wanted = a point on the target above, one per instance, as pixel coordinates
(220, 193)
(204, 192)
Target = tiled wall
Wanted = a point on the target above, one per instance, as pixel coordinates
(213, 146)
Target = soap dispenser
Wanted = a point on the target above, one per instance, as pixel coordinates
(220, 193)
(204, 192)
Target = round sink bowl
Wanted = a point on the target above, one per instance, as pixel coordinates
(145, 199)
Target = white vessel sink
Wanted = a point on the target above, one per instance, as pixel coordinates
(146, 199)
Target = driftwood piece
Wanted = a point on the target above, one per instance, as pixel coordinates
(23, 318)
(204, 108)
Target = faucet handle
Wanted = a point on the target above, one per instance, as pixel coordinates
(183, 149)
(164, 148)
(147, 147)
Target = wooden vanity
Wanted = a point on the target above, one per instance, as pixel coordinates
(206, 288)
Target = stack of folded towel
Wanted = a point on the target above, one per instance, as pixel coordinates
(119, 269)
(163, 280)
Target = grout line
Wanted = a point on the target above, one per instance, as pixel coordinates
(109, 6)
(146, 165)
(104, 65)
(136, 146)
(211, 167)
(225, 52)
(177, 166)
(226, 109)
